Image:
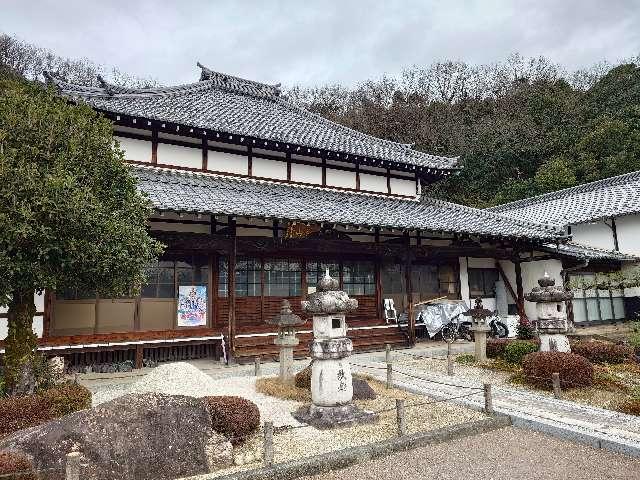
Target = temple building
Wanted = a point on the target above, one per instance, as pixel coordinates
(255, 198)
(601, 216)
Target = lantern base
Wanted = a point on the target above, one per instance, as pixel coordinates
(324, 418)
(554, 342)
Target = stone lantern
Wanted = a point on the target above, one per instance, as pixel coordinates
(331, 381)
(286, 321)
(551, 324)
(479, 328)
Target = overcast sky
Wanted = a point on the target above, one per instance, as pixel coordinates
(315, 42)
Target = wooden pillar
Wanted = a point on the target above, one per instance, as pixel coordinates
(519, 289)
(411, 321)
(154, 146)
(231, 276)
(378, 274)
(139, 356)
(205, 154)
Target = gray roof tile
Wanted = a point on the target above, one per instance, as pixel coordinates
(577, 250)
(237, 106)
(197, 192)
(611, 197)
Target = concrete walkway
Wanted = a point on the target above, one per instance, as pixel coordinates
(593, 426)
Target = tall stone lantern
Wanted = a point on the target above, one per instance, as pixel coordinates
(552, 324)
(286, 321)
(331, 381)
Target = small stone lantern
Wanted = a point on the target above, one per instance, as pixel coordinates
(331, 381)
(479, 328)
(551, 324)
(286, 321)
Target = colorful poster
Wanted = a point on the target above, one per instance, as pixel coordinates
(192, 305)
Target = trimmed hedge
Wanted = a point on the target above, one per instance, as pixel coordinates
(574, 370)
(496, 346)
(18, 464)
(515, 351)
(30, 410)
(233, 417)
(602, 352)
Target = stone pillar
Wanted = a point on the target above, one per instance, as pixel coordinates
(287, 343)
(552, 324)
(479, 328)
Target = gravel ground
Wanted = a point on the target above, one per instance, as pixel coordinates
(517, 454)
(289, 444)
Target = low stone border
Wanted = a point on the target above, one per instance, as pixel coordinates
(343, 458)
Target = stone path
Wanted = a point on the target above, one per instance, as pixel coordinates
(508, 453)
(593, 426)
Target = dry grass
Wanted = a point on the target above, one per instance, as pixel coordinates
(273, 387)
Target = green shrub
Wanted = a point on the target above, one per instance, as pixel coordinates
(574, 370)
(233, 417)
(466, 359)
(602, 352)
(30, 410)
(515, 351)
(17, 464)
(634, 338)
(303, 378)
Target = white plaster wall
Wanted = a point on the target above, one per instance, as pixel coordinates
(373, 183)
(628, 228)
(593, 234)
(269, 169)
(227, 163)
(403, 187)
(464, 279)
(341, 178)
(306, 173)
(134, 149)
(179, 156)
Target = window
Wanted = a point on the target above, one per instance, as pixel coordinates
(248, 277)
(595, 305)
(482, 282)
(223, 277)
(359, 278)
(428, 281)
(160, 281)
(166, 275)
(282, 278)
(316, 270)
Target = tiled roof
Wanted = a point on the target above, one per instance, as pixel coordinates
(611, 197)
(195, 192)
(237, 106)
(577, 250)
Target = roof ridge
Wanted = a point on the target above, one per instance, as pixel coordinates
(584, 187)
(208, 74)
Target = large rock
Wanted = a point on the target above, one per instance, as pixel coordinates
(141, 436)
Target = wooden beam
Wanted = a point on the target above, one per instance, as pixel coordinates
(154, 146)
(507, 282)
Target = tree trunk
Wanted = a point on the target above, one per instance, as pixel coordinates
(20, 345)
